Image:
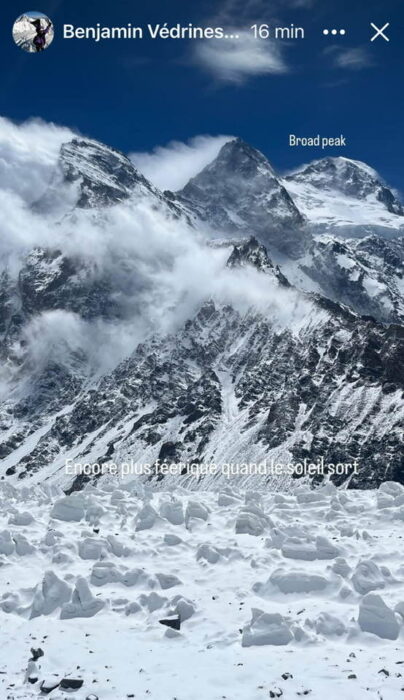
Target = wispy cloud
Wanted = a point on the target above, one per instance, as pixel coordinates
(236, 60)
(170, 167)
(353, 59)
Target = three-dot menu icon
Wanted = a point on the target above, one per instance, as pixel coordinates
(334, 32)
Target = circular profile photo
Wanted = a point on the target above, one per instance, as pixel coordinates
(33, 32)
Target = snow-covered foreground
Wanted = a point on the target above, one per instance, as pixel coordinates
(274, 595)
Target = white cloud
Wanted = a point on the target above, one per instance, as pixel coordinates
(28, 155)
(236, 60)
(171, 167)
(353, 59)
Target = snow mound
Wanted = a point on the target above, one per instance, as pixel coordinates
(376, 617)
(367, 577)
(173, 512)
(83, 603)
(51, 594)
(298, 581)
(329, 625)
(266, 628)
(97, 584)
(299, 548)
(248, 523)
(146, 518)
(69, 508)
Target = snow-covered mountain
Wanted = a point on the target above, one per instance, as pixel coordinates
(128, 333)
(345, 195)
(219, 333)
(309, 221)
(94, 176)
(240, 193)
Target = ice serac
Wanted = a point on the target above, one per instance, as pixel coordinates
(347, 195)
(240, 192)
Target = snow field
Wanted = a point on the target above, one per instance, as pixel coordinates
(299, 593)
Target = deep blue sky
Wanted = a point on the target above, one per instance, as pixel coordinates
(137, 94)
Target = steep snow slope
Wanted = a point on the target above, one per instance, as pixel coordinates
(336, 199)
(366, 274)
(275, 595)
(345, 195)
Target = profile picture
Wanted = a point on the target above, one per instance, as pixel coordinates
(33, 32)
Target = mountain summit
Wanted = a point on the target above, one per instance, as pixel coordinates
(351, 178)
(107, 176)
(240, 192)
(345, 196)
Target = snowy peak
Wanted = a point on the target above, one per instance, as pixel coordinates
(237, 165)
(239, 157)
(253, 253)
(350, 178)
(240, 192)
(107, 176)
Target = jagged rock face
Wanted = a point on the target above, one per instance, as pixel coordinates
(367, 275)
(253, 253)
(349, 177)
(240, 192)
(6, 291)
(234, 388)
(50, 280)
(91, 176)
(106, 176)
